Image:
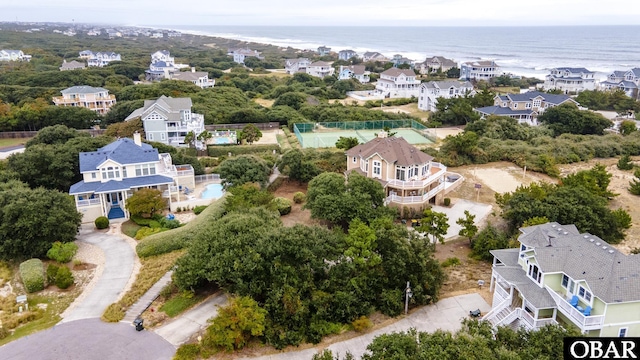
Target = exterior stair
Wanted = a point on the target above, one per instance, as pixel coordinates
(497, 318)
(115, 213)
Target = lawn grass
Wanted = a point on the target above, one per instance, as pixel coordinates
(180, 302)
(153, 268)
(130, 228)
(283, 142)
(56, 304)
(13, 141)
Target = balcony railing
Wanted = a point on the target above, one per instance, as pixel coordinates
(415, 199)
(413, 184)
(501, 292)
(592, 322)
(88, 202)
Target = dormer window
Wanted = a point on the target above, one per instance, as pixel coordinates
(110, 172)
(535, 273)
(537, 103)
(527, 105)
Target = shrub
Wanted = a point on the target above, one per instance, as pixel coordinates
(224, 150)
(3, 332)
(625, 162)
(169, 223)
(299, 197)
(452, 261)
(198, 209)
(146, 231)
(447, 201)
(283, 205)
(361, 324)
(102, 222)
(179, 238)
(32, 275)
(321, 328)
(187, 352)
(635, 250)
(64, 277)
(52, 272)
(154, 224)
(62, 252)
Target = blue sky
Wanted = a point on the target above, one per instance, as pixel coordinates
(329, 12)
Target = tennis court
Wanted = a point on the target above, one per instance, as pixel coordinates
(328, 137)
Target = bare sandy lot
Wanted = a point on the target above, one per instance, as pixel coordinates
(268, 137)
(499, 180)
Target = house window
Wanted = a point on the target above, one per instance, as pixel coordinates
(377, 168)
(400, 173)
(565, 281)
(93, 175)
(354, 159)
(527, 105)
(535, 273)
(146, 169)
(162, 136)
(110, 172)
(537, 103)
(622, 332)
(585, 294)
(366, 166)
(425, 169)
(124, 171)
(150, 136)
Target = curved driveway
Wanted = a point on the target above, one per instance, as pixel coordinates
(81, 334)
(118, 267)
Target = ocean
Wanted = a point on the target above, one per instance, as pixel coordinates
(525, 51)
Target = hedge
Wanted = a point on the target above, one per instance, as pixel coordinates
(222, 150)
(32, 275)
(179, 238)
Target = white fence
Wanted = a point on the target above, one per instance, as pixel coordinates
(207, 178)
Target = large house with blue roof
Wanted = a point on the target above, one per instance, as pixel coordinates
(524, 107)
(627, 81)
(570, 80)
(558, 275)
(114, 172)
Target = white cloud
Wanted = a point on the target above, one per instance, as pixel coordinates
(330, 12)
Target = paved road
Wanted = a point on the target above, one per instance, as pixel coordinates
(181, 329)
(89, 339)
(445, 315)
(118, 267)
(6, 151)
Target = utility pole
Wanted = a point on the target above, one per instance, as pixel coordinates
(408, 295)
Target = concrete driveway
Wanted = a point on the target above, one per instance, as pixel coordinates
(445, 315)
(89, 339)
(118, 267)
(181, 329)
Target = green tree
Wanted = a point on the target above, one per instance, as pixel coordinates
(625, 162)
(346, 142)
(627, 127)
(246, 196)
(435, 224)
(490, 238)
(453, 73)
(294, 100)
(596, 180)
(205, 136)
(244, 169)
(361, 242)
(146, 202)
(235, 324)
(190, 139)
(469, 229)
(295, 164)
(567, 118)
(32, 220)
(62, 252)
(55, 135)
(634, 185)
(250, 133)
(125, 129)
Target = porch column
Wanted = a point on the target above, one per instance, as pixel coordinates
(492, 279)
(555, 312)
(102, 205)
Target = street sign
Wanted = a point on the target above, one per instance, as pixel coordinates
(21, 299)
(477, 186)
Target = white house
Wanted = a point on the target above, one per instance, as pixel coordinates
(163, 55)
(346, 54)
(570, 80)
(627, 81)
(198, 78)
(99, 59)
(479, 70)
(323, 50)
(431, 91)
(398, 83)
(524, 107)
(240, 54)
(357, 72)
(71, 65)
(93, 98)
(114, 172)
(162, 66)
(292, 66)
(373, 56)
(168, 120)
(320, 69)
(13, 55)
(436, 64)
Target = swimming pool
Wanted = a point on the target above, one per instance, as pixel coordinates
(224, 140)
(212, 191)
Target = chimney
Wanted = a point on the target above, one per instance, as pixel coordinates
(193, 69)
(136, 138)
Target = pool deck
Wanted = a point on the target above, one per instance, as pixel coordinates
(194, 199)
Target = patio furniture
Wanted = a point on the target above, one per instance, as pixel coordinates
(587, 311)
(574, 301)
